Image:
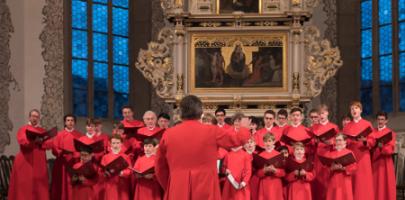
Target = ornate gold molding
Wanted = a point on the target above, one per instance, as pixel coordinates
(156, 63)
(322, 62)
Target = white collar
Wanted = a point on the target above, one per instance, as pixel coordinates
(295, 126)
(115, 152)
(356, 121)
(281, 126)
(69, 130)
(269, 129)
(270, 149)
(29, 123)
(324, 123)
(236, 148)
(382, 128)
(89, 135)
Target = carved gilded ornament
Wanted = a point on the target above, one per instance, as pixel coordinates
(323, 61)
(156, 63)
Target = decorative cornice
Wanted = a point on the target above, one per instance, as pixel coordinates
(52, 44)
(6, 78)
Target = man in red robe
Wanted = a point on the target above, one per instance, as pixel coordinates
(151, 130)
(382, 164)
(132, 145)
(186, 159)
(298, 132)
(29, 176)
(63, 150)
(270, 126)
(363, 187)
(220, 114)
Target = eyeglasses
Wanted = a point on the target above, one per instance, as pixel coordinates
(268, 118)
(220, 115)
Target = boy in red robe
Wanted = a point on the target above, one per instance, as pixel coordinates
(220, 114)
(382, 164)
(63, 150)
(282, 119)
(84, 182)
(164, 120)
(132, 145)
(29, 175)
(254, 180)
(313, 117)
(363, 187)
(99, 135)
(116, 184)
(323, 145)
(147, 186)
(340, 181)
(297, 132)
(299, 187)
(270, 126)
(270, 185)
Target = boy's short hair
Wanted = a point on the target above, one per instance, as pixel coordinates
(97, 121)
(90, 121)
(269, 136)
(295, 109)
(356, 103)
(116, 136)
(282, 148)
(341, 134)
(152, 141)
(298, 145)
(382, 113)
(164, 115)
(220, 110)
(271, 112)
(283, 112)
(254, 120)
(237, 116)
(208, 117)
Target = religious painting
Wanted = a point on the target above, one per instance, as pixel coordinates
(246, 6)
(238, 62)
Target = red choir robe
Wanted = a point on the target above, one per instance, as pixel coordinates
(320, 183)
(146, 189)
(106, 140)
(29, 176)
(254, 181)
(340, 182)
(186, 161)
(363, 187)
(85, 190)
(225, 126)
(240, 164)
(118, 186)
(132, 145)
(270, 185)
(155, 132)
(63, 149)
(275, 130)
(220, 158)
(299, 133)
(383, 167)
(299, 188)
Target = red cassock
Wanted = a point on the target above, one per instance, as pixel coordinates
(275, 130)
(132, 145)
(240, 164)
(254, 182)
(106, 140)
(186, 159)
(146, 189)
(85, 190)
(363, 187)
(116, 187)
(320, 183)
(29, 176)
(150, 133)
(383, 168)
(270, 185)
(225, 126)
(63, 149)
(299, 188)
(299, 133)
(340, 182)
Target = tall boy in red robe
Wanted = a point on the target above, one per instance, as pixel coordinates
(254, 180)
(132, 145)
(340, 181)
(220, 114)
(363, 187)
(299, 187)
(116, 184)
(29, 176)
(63, 149)
(298, 132)
(322, 146)
(282, 119)
(147, 186)
(270, 126)
(382, 164)
(270, 185)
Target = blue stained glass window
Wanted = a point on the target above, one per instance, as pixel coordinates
(120, 21)
(402, 36)
(384, 10)
(79, 14)
(100, 89)
(79, 44)
(366, 14)
(367, 70)
(402, 81)
(120, 50)
(366, 85)
(366, 43)
(79, 80)
(100, 45)
(121, 3)
(101, 1)
(100, 16)
(121, 88)
(401, 9)
(386, 83)
(386, 39)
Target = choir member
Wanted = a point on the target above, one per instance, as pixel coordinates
(297, 132)
(151, 129)
(270, 126)
(147, 186)
(254, 125)
(324, 133)
(282, 119)
(363, 187)
(345, 120)
(100, 135)
(340, 179)
(186, 159)
(313, 117)
(164, 120)
(132, 145)
(382, 164)
(284, 150)
(29, 175)
(84, 180)
(63, 150)
(116, 184)
(254, 180)
(270, 185)
(220, 114)
(299, 187)
(209, 119)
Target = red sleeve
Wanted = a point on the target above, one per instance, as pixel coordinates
(279, 172)
(310, 175)
(22, 138)
(47, 144)
(161, 165)
(350, 169)
(126, 172)
(290, 177)
(56, 151)
(248, 170)
(227, 140)
(389, 148)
